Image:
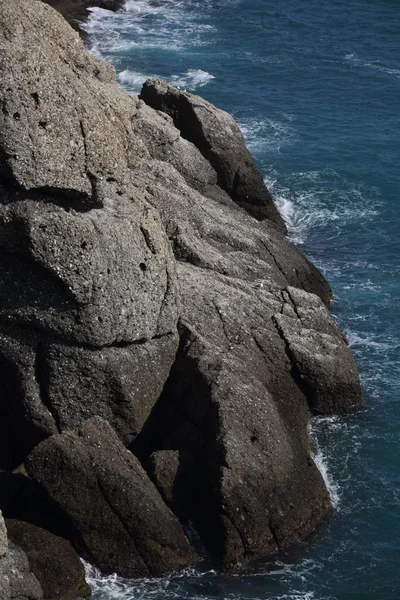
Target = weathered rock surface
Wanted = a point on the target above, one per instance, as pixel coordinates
(218, 137)
(136, 285)
(16, 580)
(99, 287)
(52, 560)
(117, 516)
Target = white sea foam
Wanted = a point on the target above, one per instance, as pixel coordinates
(332, 487)
(359, 62)
(191, 80)
(307, 203)
(267, 135)
(131, 81)
(175, 587)
(355, 339)
(321, 462)
(143, 7)
(148, 24)
(112, 587)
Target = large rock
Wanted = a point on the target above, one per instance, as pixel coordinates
(16, 580)
(234, 416)
(87, 276)
(227, 444)
(98, 278)
(219, 139)
(117, 516)
(123, 223)
(120, 384)
(214, 237)
(52, 560)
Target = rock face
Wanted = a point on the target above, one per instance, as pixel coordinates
(16, 580)
(53, 561)
(218, 137)
(117, 516)
(150, 300)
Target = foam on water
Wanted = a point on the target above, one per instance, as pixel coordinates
(359, 62)
(267, 135)
(307, 205)
(145, 24)
(355, 339)
(110, 587)
(321, 462)
(191, 80)
(209, 585)
(131, 81)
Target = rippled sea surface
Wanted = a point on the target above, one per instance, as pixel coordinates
(315, 87)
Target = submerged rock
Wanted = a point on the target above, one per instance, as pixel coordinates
(143, 306)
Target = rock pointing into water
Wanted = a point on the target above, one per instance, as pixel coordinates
(218, 137)
(52, 560)
(16, 580)
(162, 343)
(77, 10)
(117, 516)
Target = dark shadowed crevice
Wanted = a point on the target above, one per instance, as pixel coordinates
(42, 378)
(185, 419)
(66, 198)
(22, 433)
(38, 288)
(14, 326)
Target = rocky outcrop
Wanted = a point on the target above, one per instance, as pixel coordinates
(130, 531)
(218, 137)
(150, 300)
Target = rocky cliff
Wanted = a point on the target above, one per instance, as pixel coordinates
(162, 343)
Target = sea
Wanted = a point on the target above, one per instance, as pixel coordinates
(315, 87)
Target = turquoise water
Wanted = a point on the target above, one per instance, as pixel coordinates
(315, 87)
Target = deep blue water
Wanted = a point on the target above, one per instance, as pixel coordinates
(315, 87)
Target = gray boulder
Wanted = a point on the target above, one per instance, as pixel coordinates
(16, 580)
(117, 516)
(227, 444)
(53, 561)
(219, 139)
(234, 417)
